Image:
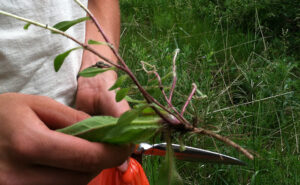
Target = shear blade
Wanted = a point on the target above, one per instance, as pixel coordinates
(191, 154)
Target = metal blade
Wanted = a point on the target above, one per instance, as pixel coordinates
(189, 154)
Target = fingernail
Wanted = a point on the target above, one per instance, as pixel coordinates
(123, 167)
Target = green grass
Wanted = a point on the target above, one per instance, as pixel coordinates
(251, 81)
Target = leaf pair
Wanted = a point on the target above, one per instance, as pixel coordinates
(129, 128)
(64, 26)
(106, 129)
(93, 71)
(121, 93)
(127, 117)
(88, 72)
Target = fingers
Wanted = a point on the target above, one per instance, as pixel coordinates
(27, 142)
(69, 152)
(59, 150)
(55, 115)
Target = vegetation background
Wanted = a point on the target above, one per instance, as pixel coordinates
(242, 54)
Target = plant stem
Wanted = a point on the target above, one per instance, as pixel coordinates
(125, 68)
(159, 82)
(223, 139)
(189, 99)
(116, 53)
(149, 98)
(168, 119)
(163, 91)
(174, 75)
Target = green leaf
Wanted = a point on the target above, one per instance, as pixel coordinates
(93, 71)
(119, 82)
(168, 174)
(131, 100)
(65, 25)
(127, 117)
(121, 94)
(139, 130)
(130, 134)
(26, 26)
(149, 110)
(98, 42)
(96, 122)
(59, 59)
(105, 129)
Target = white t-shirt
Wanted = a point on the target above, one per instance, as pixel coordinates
(26, 56)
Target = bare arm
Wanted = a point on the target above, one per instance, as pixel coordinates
(93, 96)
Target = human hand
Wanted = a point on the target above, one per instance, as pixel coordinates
(32, 153)
(93, 96)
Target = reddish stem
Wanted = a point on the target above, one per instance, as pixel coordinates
(125, 68)
(116, 53)
(163, 91)
(189, 99)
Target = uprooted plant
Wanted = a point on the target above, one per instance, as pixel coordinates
(147, 117)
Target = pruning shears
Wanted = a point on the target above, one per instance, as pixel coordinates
(135, 175)
(188, 154)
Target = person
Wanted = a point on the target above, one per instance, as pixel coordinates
(34, 100)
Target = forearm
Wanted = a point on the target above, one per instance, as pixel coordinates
(93, 96)
(108, 15)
